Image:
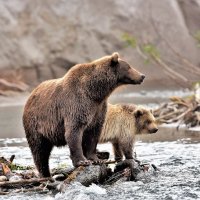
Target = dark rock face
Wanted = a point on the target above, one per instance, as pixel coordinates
(45, 38)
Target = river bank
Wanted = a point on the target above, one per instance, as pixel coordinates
(11, 108)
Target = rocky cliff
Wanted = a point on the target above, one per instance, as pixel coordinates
(42, 39)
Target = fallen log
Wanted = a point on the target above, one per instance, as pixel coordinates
(26, 182)
(13, 86)
(132, 165)
(34, 189)
(102, 174)
(3, 193)
(86, 175)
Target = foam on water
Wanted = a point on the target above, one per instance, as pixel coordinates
(178, 178)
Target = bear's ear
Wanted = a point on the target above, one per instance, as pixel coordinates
(138, 113)
(114, 57)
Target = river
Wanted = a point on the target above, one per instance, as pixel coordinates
(176, 154)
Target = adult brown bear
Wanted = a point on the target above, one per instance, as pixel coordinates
(71, 110)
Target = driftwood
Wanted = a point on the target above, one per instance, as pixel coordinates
(128, 170)
(34, 189)
(6, 85)
(61, 178)
(21, 183)
(180, 110)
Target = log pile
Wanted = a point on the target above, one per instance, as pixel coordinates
(180, 110)
(26, 180)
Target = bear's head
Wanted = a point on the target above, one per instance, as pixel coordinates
(144, 120)
(100, 77)
(120, 69)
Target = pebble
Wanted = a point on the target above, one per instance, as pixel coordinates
(15, 178)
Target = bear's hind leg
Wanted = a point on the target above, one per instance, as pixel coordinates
(117, 151)
(41, 150)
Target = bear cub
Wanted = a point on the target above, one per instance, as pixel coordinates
(121, 125)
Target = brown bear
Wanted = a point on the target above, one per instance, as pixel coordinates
(121, 125)
(71, 110)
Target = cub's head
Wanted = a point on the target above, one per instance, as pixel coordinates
(120, 69)
(145, 121)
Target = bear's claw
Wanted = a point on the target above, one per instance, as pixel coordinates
(83, 163)
(98, 161)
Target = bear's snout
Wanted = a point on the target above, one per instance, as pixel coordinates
(142, 78)
(154, 130)
(136, 77)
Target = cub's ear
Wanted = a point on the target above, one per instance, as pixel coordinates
(138, 113)
(114, 57)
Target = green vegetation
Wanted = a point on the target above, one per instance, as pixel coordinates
(151, 50)
(129, 40)
(19, 167)
(197, 37)
(147, 51)
(150, 53)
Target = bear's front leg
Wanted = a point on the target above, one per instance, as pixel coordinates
(92, 133)
(117, 151)
(90, 141)
(89, 144)
(127, 149)
(73, 137)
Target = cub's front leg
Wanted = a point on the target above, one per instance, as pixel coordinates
(128, 150)
(121, 148)
(117, 151)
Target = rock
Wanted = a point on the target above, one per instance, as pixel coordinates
(43, 39)
(3, 178)
(15, 178)
(86, 175)
(130, 164)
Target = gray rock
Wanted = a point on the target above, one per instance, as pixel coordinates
(15, 178)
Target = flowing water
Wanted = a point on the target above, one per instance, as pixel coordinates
(178, 178)
(176, 154)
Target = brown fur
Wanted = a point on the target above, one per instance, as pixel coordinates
(71, 110)
(121, 125)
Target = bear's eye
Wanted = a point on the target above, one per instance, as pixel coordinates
(148, 122)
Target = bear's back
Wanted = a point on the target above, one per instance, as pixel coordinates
(119, 123)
